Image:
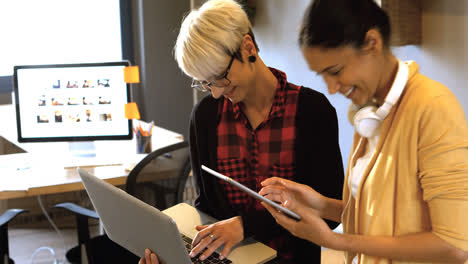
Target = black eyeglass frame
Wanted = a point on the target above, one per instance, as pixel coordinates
(205, 86)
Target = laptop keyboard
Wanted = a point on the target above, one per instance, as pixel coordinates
(214, 258)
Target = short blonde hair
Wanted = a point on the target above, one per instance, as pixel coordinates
(209, 37)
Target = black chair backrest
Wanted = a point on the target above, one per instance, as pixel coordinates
(182, 178)
(182, 172)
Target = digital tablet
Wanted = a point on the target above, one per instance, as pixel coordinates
(252, 193)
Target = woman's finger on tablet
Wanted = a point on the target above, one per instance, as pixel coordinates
(271, 189)
(275, 198)
(275, 181)
(290, 204)
(147, 256)
(154, 259)
(271, 181)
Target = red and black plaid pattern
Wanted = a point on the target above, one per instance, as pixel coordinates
(248, 155)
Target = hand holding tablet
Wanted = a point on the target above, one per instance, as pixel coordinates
(252, 193)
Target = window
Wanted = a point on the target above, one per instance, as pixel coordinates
(57, 31)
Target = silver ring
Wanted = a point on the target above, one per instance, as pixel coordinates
(211, 236)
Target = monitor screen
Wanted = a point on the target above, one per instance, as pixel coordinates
(71, 102)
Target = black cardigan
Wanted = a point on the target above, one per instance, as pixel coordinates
(318, 164)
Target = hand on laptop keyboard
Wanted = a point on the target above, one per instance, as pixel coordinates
(152, 258)
(227, 233)
(213, 258)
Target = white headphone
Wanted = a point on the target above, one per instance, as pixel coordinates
(367, 119)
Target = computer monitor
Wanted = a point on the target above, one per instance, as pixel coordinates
(71, 102)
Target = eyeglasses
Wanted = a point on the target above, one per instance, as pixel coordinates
(220, 82)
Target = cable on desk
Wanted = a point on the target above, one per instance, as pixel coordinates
(51, 250)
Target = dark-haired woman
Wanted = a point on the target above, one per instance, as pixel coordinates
(405, 197)
(256, 124)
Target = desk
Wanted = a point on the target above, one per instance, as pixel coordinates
(53, 177)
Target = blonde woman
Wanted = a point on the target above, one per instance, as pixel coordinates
(255, 125)
(406, 194)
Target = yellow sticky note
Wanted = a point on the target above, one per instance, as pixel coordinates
(131, 111)
(132, 74)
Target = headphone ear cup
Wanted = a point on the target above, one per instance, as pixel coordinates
(366, 121)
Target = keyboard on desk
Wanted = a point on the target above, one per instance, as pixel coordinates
(214, 258)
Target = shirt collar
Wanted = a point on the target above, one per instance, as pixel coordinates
(277, 108)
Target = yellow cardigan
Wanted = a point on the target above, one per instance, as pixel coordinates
(417, 179)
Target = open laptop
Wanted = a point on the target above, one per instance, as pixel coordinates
(136, 225)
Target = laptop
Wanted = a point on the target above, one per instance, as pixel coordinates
(135, 225)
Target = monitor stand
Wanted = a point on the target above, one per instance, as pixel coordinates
(83, 149)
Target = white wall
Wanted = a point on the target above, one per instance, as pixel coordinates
(445, 44)
(442, 56)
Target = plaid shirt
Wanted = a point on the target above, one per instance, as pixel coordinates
(250, 156)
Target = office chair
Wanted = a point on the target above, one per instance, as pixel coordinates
(5, 218)
(167, 192)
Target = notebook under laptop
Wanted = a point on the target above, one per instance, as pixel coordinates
(136, 225)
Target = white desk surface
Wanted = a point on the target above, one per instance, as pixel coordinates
(48, 171)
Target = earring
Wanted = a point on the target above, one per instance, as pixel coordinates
(252, 59)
